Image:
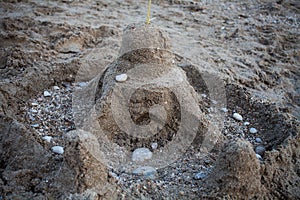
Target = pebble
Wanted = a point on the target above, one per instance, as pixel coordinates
(237, 116)
(58, 149)
(121, 77)
(47, 138)
(225, 110)
(246, 123)
(204, 95)
(34, 104)
(35, 125)
(253, 130)
(34, 111)
(214, 102)
(141, 154)
(146, 171)
(55, 87)
(260, 150)
(47, 94)
(82, 84)
(40, 99)
(200, 176)
(154, 145)
(258, 140)
(258, 156)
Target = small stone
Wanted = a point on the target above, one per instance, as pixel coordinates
(47, 94)
(225, 110)
(146, 171)
(258, 140)
(258, 157)
(200, 176)
(154, 145)
(246, 123)
(40, 99)
(237, 116)
(58, 149)
(121, 77)
(47, 138)
(181, 192)
(82, 84)
(55, 87)
(35, 125)
(204, 95)
(34, 111)
(253, 130)
(141, 154)
(260, 150)
(34, 104)
(214, 102)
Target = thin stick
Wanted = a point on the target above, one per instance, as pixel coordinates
(148, 15)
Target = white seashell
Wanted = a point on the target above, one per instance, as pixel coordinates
(121, 77)
(58, 149)
(237, 116)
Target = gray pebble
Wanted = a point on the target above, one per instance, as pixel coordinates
(260, 150)
(258, 140)
(146, 171)
(225, 110)
(200, 175)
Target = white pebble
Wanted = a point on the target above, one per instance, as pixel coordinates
(253, 130)
(55, 87)
(35, 125)
(204, 95)
(121, 77)
(154, 145)
(58, 149)
(34, 104)
(141, 154)
(47, 94)
(258, 140)
(82, 84)
(47, 138)
(237, 116)
(258, 156)
(34, 111)
(225, 110)
(246, 123)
